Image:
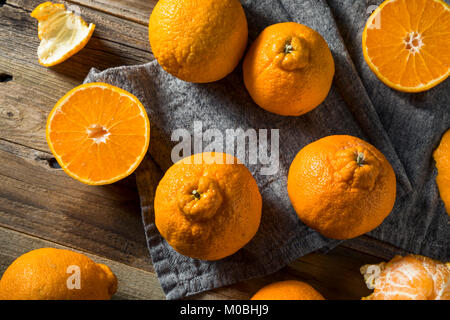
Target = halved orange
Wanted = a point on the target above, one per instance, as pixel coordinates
(62, 33)
(406, 43)
(98, 133)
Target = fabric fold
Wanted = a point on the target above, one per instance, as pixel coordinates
(176, 105)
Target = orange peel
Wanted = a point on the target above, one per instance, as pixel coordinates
(62, 33)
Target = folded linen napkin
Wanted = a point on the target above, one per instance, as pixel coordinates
(195, 108)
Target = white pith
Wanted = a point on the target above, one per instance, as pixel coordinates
(413, 42)
(59, 111)
(64, 31)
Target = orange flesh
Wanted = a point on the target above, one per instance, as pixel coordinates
(62, 33)
(98, 133)
(406, 43)
(442, 157)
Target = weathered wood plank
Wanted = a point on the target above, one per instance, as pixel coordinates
(136, 283)
(335, 275)
(38, 200)
(125, 39)
(370, 246)
(28, 97)
(133, 283)
(108, 26)
(134, 10)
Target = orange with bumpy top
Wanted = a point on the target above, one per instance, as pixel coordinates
(288, 69)
(442, 157)
(341, 186)
(198, 40)
(288, 290)
(405, 43)
(208, 206)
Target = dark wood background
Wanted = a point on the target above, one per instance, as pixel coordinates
(40, 206)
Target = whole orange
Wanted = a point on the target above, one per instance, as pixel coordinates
(288, 290)
(288, 69)
(208, 206)
(341, 186)
(49, 274)
(198, 40)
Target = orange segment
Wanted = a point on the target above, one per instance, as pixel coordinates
(62, 33)
(412, 277)
(98, 133)
(406, 43)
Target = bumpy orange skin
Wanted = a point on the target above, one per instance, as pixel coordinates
(289, 69)
(442, 157)
(412, 277)
(42, 275)
(288, 290)
(341, 186)
(198, 41)
(207, 206)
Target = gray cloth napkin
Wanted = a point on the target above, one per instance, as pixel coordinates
(415, 124)
(173, 104)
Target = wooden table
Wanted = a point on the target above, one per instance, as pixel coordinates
(40, 206)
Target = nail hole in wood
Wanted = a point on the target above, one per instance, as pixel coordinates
(4, 77)
(53, 163)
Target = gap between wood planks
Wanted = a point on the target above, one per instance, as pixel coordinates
(90, 12)
(125, 12)
(126, 15)
(121, 11)
(335, 274)
(134, 11)
(338, 281)
(33, 90)
(134, 283)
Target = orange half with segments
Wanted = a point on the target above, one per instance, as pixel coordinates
(406, 43)
(98, 133)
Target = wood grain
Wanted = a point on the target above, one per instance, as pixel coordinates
(41, 201)
(133, 283)
(334, 280)
(105, 225)
(26, 100)
(133, 10)
(38, 200)
(41, 206)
